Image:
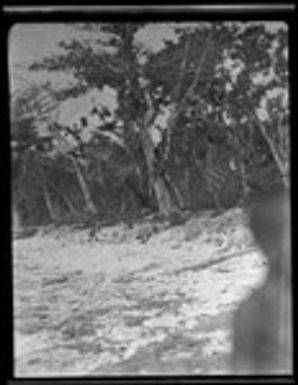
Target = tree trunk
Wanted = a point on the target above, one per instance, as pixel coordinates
(281, 165)
(90, 206)
(158, 185)
(187, 188)
(245, 189)
(48, 201)
(280, 153)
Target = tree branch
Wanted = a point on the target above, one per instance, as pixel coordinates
(177, 109)
(183, 65)
(191, 89)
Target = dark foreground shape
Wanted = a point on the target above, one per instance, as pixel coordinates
(262, 341)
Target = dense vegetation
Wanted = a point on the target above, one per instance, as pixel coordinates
(222, 91)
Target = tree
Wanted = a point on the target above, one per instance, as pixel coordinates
(29, 112)
(123, 71)
(26, 163)
(206, 81)
(257, 100)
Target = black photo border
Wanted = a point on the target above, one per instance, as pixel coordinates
(35, 12)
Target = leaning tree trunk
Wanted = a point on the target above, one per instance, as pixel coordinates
(46, 196)
(280, 157)
(48, 200)
(278, 144)
(89, 204)
(165, 203)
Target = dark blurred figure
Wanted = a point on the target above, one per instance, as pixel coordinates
(262, 342)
